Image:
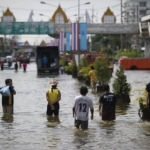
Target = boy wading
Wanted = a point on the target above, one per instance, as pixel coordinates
(81, 109)
(107, 105)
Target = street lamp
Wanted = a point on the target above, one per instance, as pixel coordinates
(87, 3)
(43, 15)
(48, 4)
(77, 5)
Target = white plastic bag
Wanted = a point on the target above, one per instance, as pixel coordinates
(5, 91)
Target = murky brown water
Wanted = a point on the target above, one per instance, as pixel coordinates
(30, 129)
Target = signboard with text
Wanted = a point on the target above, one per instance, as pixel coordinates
(26, 28)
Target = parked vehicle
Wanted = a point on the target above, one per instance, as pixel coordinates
(47, 59)
(135, 63)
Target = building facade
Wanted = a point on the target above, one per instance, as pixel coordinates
(133, 10)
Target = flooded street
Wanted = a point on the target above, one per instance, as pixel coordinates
(29, 128)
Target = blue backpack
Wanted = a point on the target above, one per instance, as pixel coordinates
(5, 91)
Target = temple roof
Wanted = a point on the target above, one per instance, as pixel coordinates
(108, 12)
(42, 43)
(8, 13)
(26, 43)
(59, 10)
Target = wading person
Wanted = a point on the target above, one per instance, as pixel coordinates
(92, 75)
(8, 101)
(107, 105)
(148, 94)
(24, 66)
(16, 66)
(2, 66)
(145, 110)
(53, 96)
(81, 109)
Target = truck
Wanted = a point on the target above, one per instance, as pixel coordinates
(47, 60)
(135, 63)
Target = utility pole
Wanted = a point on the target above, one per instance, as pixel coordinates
(137, 9)
(121, 36)
(78, 33)
(91, 44)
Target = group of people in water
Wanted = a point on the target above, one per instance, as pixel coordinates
(16, 66)
(24, 65)
(80, 109)
(83, 104)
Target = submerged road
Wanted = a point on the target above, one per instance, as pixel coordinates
(29, 128)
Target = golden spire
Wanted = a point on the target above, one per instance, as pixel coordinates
(59, 10)
(108, 12)
(8, 13)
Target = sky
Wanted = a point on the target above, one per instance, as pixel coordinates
(21, 10)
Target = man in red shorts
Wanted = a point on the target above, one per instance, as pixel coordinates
(107, 105)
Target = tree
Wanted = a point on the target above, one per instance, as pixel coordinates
(120, 85)
(101, 42)
(102, 69)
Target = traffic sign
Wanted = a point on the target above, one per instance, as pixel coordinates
(26, 28)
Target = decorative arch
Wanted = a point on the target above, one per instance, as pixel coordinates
(59, 10)
(8, 13)
(108, 12)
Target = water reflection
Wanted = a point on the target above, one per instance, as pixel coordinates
(53, 121)
(81, 138)
(122, 107)
(7, 118)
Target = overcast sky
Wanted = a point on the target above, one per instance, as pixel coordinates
(21, 9)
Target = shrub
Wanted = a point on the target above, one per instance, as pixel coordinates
(84, 72)
(102, 70)
(120, 85)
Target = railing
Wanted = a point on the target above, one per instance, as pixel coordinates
(144, 29)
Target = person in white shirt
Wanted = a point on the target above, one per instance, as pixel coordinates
(81, 109)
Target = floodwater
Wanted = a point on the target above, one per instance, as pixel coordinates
(29, 128)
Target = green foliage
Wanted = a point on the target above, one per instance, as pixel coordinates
(130, 54)
(71, 68)
(84, 72)
(142, 99)
(83, 63)
(74, 68)
(103, 42)
(102, 70)
(120, 85)
(68, 69)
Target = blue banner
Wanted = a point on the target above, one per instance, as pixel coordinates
(67, 41)
(83, 38)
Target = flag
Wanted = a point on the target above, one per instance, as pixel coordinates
(30, 19)
(75, 36)
(83, 36)
(61, 41)
(67, 41)
(87, 17)
(56, 43)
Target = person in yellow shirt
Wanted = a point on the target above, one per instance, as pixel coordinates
(92, 75)
(53, 96)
